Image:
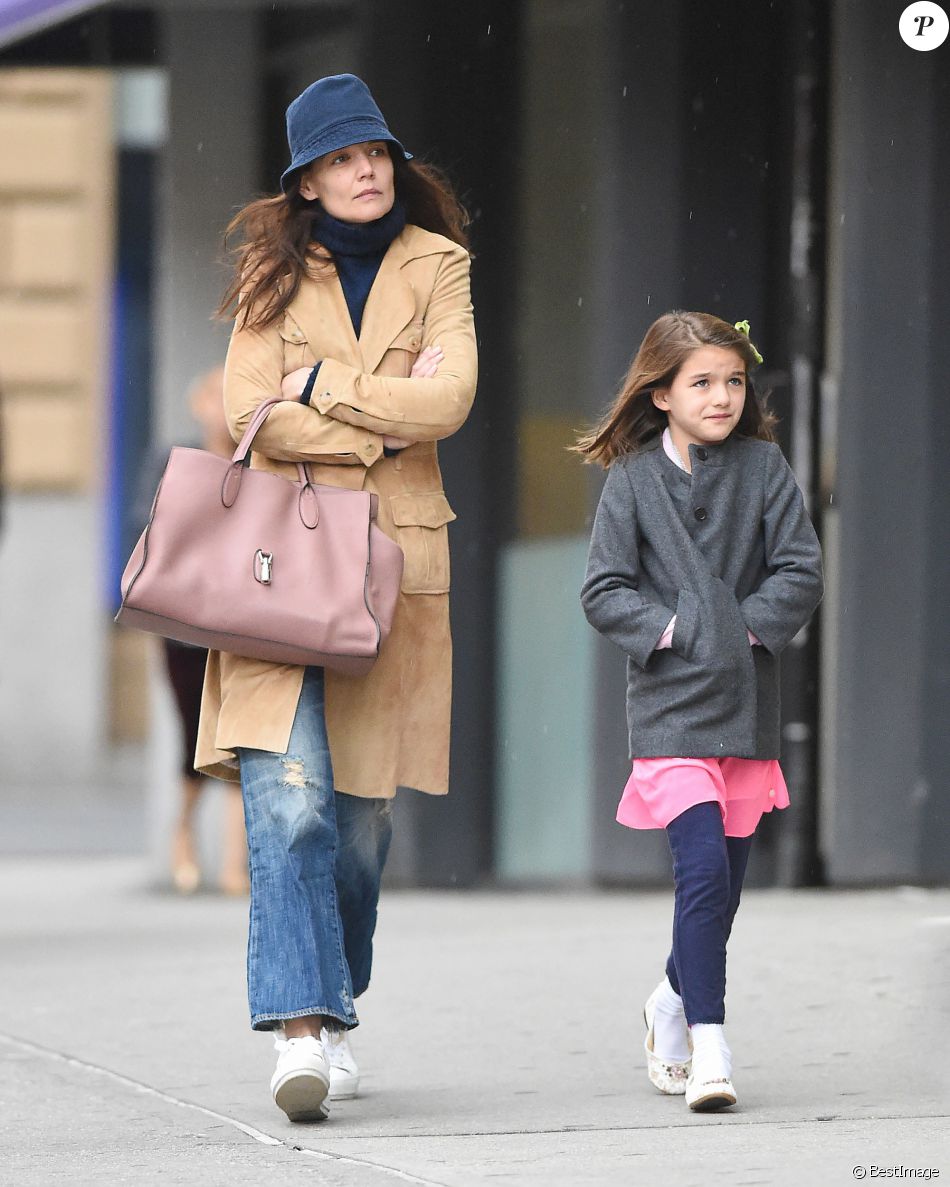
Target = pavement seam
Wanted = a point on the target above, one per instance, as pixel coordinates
(249, 1130)
(380, 1166)
(733, 1120)
(137, 1085)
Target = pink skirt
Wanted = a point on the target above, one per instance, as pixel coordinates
(660, 789)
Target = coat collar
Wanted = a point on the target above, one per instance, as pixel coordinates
(319, 307)
(700, 455)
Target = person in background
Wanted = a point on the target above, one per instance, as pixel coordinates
(185, 668)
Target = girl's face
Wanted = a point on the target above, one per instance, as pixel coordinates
(354, 184)
(705, 400)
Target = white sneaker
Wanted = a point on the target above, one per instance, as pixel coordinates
(302, 1078)
(344, 1072)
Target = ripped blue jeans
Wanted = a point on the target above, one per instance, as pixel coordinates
(316, 859)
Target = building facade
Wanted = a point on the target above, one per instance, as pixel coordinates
(782, 163)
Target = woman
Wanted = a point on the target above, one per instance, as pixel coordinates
(352, 294)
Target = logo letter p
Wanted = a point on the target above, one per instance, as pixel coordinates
(923, 26)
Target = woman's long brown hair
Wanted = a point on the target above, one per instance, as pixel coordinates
(276, 251)
(633, 419)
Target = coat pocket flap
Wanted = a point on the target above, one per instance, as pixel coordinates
(291, 332)
(428, 510)
(408, 339)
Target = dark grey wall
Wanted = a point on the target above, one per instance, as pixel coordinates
(889, 314)
(641, 276)
(451, 74)
(935, 811)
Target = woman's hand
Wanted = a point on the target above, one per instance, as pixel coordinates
(292, 385)
(427, 364)
(425, 367)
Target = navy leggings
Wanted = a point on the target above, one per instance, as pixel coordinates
(708, 869)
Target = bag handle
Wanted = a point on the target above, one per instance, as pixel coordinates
(309, 507)
(231, 486)
(262, 413)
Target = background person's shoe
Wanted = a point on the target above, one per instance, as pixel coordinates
(344, 1072)
(668, 1076)
(302, 1079)
(186, 877)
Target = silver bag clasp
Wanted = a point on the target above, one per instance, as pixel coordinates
(263, 566)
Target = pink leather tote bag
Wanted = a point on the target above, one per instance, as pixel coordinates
(246, 561)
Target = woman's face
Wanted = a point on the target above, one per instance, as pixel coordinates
(353, 184)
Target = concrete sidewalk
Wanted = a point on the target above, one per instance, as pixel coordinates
(501, 1040)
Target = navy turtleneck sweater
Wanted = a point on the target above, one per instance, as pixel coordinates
(357, 250)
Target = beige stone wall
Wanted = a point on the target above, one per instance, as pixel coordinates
(56, 233)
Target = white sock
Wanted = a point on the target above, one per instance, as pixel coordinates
(670, 1032)
(712, 1059)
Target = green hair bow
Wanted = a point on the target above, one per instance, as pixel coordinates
(743, 327)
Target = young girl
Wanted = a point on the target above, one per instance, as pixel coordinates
(703, 566)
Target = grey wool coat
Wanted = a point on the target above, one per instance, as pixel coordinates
(728, 549)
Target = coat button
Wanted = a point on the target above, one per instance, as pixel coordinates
(700, 513)
(370, 449)
(415, 343)
(702, 454)
(771, 793)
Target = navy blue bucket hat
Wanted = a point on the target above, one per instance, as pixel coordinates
(332, 113)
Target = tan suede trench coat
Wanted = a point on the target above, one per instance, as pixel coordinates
(390, 728)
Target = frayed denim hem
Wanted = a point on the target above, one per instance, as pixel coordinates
(274, 1021)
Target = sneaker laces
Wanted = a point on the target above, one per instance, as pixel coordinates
(335, 1041)
(282, 1043)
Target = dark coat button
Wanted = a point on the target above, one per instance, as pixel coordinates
(700, 513)
(702, 454)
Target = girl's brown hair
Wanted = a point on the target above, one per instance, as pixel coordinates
(276, 251)
(633, 419)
